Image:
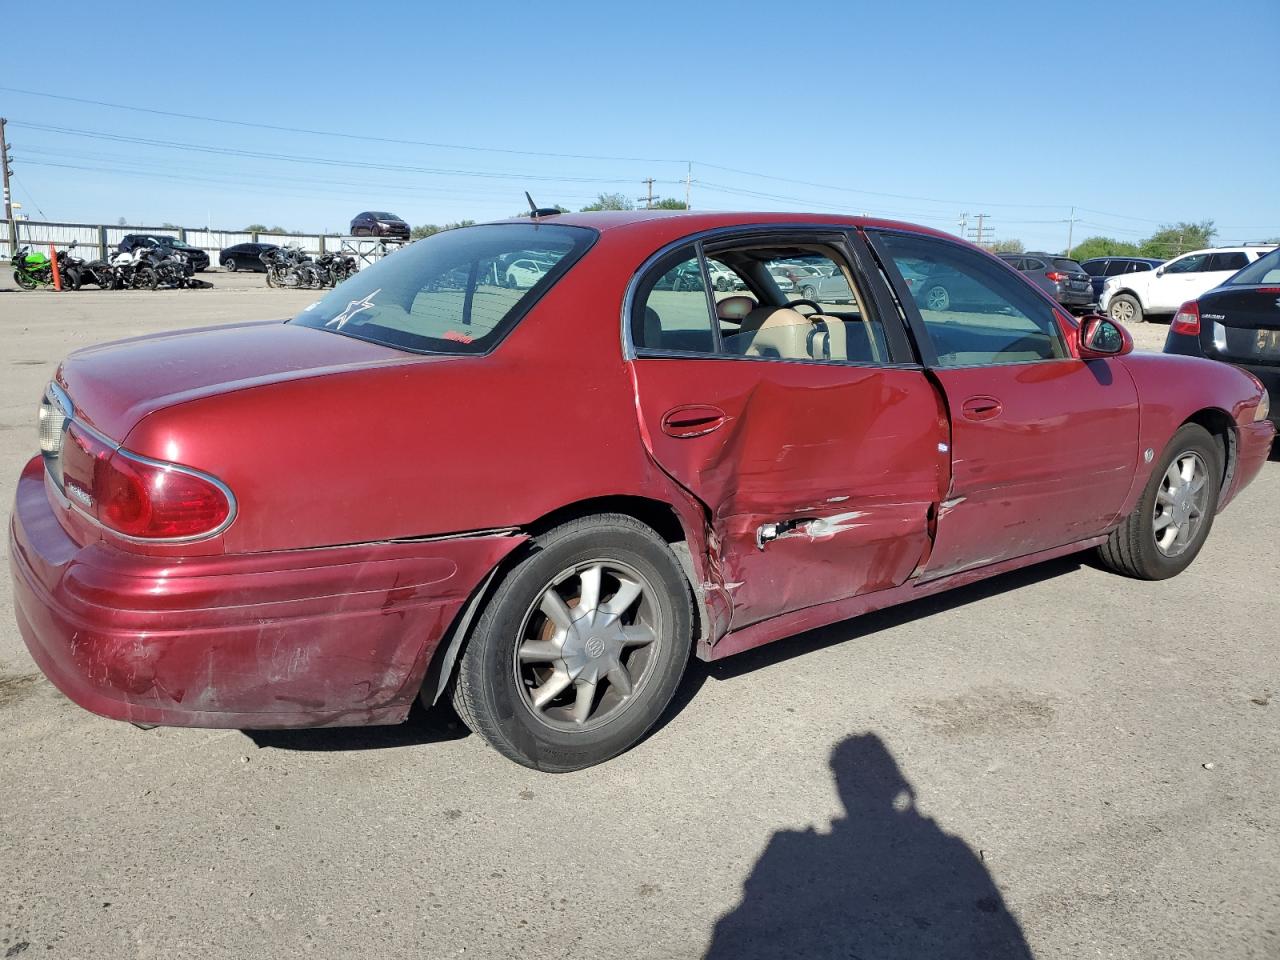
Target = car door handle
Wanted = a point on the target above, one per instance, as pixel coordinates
(692, 420)
(982, 408)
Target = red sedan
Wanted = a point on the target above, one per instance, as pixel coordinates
(538, 500)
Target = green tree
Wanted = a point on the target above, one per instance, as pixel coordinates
(670, 203)
(1104, 247)
(1007, 246)
(430, 229)
(609, 201)
(256, 228)
(1171, 240)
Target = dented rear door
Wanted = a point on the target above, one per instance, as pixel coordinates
(819, 477)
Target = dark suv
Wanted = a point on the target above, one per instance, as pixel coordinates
(1058, 276)
(1099, 268)
(198, 258)
(372, 223)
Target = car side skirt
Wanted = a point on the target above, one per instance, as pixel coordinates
(811, 618)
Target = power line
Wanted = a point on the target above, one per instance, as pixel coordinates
(336, 133)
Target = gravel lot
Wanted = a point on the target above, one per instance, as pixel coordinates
(1059, 763)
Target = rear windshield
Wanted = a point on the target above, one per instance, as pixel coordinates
(1263, 270)
(457, 292)
(1069, 266)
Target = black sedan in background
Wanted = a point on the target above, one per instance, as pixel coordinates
(1237, 322)
(245, 256)
(373, 223)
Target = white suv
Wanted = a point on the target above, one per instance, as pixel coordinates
(1132, 297)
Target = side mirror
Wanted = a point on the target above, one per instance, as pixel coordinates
(1099, 337)
(1160, 271)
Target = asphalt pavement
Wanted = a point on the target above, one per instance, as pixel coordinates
(1059, 763)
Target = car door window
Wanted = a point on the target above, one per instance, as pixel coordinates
(673, 309)
(974, 313)
(1095, 268)
(672, 312)
(1228, 261)
(1136, 266)
(1192, 264)
(1031, 263)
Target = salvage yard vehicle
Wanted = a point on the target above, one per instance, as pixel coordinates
(538, 501)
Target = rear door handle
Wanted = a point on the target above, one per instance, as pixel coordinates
(692, 420)
(982, 408)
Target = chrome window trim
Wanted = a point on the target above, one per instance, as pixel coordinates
(63, 401)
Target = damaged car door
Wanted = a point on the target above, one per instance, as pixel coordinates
(815, 443)
(1044, 445)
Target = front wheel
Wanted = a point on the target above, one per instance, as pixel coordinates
(938, 298)
(146, 277)
(231, 266)
(1125, 309)
(1175, 513)
(808, 293)
(23, 280)
(580, 648)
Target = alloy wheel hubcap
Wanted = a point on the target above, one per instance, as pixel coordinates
(1122, 311)
(587, 645)
(939, 299)
(1181, 503)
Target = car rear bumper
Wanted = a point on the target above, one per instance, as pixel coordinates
(1076, 298)
(302, 638)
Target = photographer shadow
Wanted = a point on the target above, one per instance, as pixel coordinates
(884, 883)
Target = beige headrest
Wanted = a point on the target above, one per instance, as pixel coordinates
(735, 308)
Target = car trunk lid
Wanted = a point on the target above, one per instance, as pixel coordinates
(1242, 323)
(115, 385)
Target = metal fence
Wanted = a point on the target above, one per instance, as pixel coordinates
(99, 240)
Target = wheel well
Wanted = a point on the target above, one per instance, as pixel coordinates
(1223, 430)
(1127, 292)
(652, 513)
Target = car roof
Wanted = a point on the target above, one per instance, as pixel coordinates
(674, 224)
(1240, 249)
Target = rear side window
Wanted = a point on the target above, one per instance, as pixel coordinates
(1068, 266)
(1137, 266)
(455, 292)
(1031, 263)
(1228, 261)
(1264, 270)
(1095, 268)
(673, 313)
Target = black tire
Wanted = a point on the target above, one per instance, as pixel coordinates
(22, 280)
(231, 266)
(73, 280)
(1132, 549)
(146, 277)
(488, 691)
(1125, 308)
(723, 284)
(808, 292)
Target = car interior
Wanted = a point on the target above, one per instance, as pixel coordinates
(761, 316)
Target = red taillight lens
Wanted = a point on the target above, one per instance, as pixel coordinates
(1187, 319)
(138, 497)
(1057, 276)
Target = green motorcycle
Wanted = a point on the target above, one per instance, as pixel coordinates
(31, 270)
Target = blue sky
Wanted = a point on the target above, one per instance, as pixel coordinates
(1136, 113)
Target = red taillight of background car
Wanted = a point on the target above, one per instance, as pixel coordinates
(1057, 276)
(139, 497)
(1187, 319)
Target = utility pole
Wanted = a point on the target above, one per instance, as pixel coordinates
(8, 197)
(648, 203)
(964, 225)
(1071, 223)
(688, 185)
(978, 236)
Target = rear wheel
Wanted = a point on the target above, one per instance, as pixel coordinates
(937, 298)
(146, 277)
(231, 265)
(1125, 308)
(580, 648)
(1173, 518)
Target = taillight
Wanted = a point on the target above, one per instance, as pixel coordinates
(1057, 276)
(1187, 319)
(139, 497)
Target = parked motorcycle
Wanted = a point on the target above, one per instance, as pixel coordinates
(290, 267)
(31, 269)
(76, 271)
(335, 267)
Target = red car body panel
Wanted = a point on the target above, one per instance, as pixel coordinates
(378, 490)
